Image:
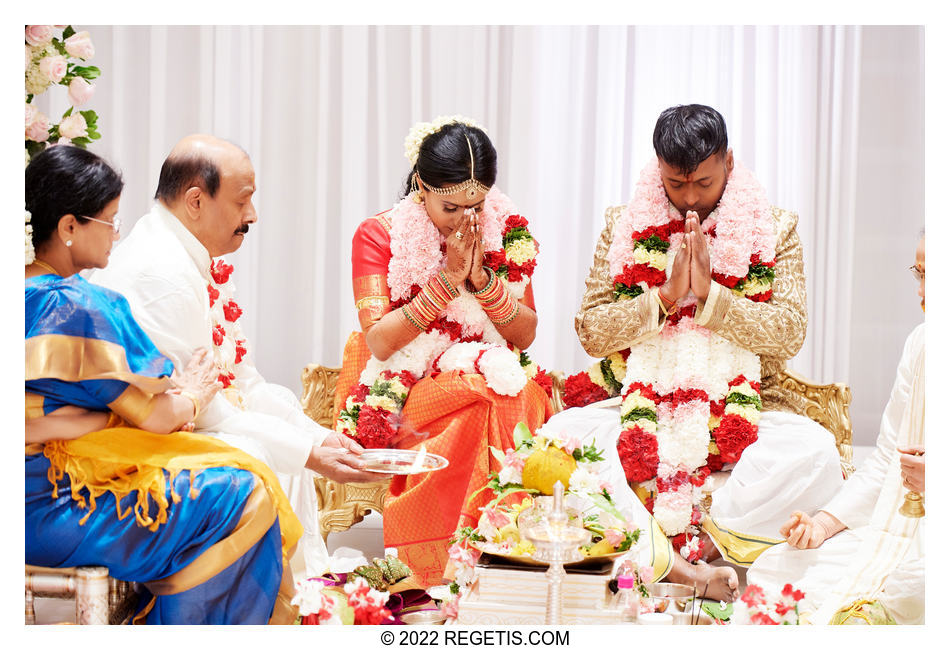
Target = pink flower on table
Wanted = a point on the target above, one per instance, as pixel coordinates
(450, 608)
(462, 555)
(80, 91)
(513, 460)
(570, 445)
(73, 127)
(614, 536)
(495, 518)
(80, 46)
(646, 573)
(37, 127)
(39, 34)
(53, 67)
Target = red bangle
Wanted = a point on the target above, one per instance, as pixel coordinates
(672, 306)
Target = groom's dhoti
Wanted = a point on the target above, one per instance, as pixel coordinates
(793, 465)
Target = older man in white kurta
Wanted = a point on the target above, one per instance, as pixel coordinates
(164, 268)
(864, 506)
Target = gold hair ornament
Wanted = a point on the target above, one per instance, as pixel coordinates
(471, 186)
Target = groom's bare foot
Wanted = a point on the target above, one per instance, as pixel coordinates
(718, 582)
(710, 551)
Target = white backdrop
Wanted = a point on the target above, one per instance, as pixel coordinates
(829, 118)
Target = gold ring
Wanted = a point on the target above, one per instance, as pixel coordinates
(458, 235)
(683, 245)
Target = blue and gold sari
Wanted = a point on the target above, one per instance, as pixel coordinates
(205, 527)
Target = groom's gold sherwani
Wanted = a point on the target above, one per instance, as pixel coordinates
(774, 330)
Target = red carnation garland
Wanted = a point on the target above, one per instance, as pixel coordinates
(638, 454)
(231, 311)
(579, 390)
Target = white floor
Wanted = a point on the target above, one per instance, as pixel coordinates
(366, 536)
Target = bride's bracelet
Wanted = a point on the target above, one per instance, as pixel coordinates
(430, 302)
(496, 300)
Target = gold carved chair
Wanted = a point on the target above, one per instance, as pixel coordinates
(830, 406)
(343, 505)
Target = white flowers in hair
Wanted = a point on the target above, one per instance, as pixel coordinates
(30, 252)
(422, 130)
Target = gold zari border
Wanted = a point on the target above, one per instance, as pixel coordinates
(259, 515)
(738, 549)
(75, 358)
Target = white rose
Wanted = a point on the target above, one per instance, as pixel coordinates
(38, 129)
(54, 67)
(39, 34)
(73, 127)
(80, 91)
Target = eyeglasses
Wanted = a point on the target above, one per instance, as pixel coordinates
(918, 274)
(115, 223)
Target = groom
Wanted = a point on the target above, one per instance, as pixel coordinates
(184, 300)
(702, 281)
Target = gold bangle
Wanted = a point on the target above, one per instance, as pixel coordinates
(195, 401)
(659, 300)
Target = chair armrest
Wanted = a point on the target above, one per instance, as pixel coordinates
(319, 388)
(829, 405)
(341, 504)
(557, 390)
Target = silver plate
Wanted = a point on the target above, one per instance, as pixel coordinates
(400, 461)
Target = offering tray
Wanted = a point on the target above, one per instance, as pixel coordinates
(401, 461)
(511, 561)
(601, 565)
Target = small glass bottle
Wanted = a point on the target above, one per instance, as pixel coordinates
(626, 602)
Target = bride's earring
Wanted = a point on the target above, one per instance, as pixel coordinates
(416, 192)
(69, 242)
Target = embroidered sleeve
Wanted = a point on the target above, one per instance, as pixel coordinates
(604, 326)
(370, 259)
(775, 328)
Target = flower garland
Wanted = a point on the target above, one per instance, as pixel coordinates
(692, 400)
(30, 252)
(47, 63)
(462, 338)
(359, 604)
(421, 130)
(603, 380)
(757, 607)
(230, 346)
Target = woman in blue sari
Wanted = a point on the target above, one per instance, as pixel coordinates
(112, 477)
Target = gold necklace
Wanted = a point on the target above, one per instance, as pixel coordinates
(47, 266)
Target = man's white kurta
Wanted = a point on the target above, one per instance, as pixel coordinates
(816, 571)
(164, 272)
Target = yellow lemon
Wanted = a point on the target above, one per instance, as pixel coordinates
(603, 547)
(545, 467)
